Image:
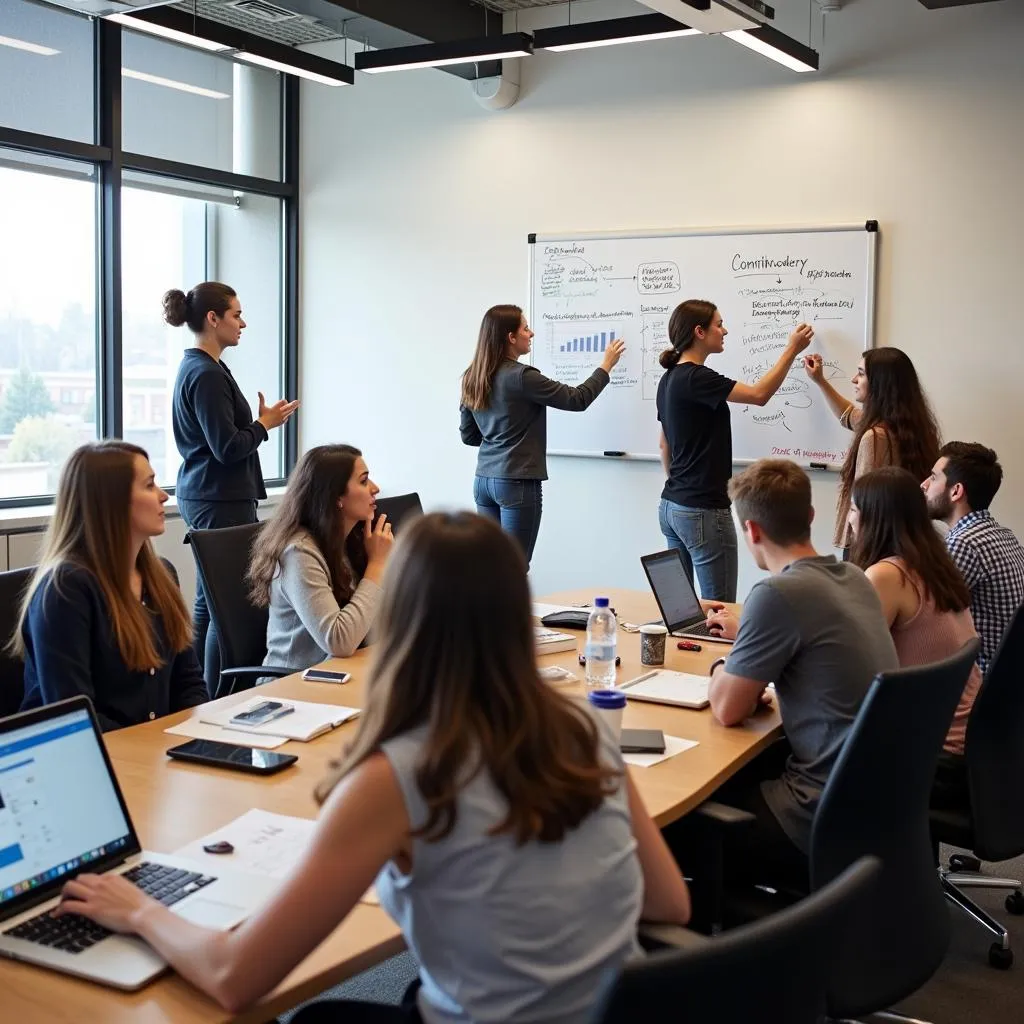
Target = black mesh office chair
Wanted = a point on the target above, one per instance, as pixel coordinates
(222, 560)
(12, 670)
(764, 973)
(876, 804)
(400, 508)
(992, 824)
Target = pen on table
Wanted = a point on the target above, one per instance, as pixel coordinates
(639, 679)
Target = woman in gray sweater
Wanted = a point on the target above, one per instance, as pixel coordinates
(318, 563)
(504, 414)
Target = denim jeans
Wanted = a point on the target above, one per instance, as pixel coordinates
(211, 515)
(515, 504)
(706, 539)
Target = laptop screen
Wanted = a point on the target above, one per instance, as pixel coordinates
(672, 588)
(60, 809)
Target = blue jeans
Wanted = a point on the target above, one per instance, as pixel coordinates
(706, 539)
(515, 504)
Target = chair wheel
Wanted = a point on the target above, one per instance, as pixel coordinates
(1015, 902)
(999, 957)
(964, 862)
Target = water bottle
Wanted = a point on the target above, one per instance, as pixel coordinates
(602, 644)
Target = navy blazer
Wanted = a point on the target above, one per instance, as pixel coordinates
(70, 649)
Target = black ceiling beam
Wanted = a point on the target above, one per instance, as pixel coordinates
(437, 21)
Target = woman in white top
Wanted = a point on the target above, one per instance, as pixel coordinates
(493, 812)
(318, 563)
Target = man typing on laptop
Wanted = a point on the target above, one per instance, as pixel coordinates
(815, 629)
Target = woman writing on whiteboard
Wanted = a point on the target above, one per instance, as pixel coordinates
(696, 442)
(504, 414)
(891, 420)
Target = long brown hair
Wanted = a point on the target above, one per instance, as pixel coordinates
(894, 523)
(491, 347)
(456, 654)
(319, 480)
(91, 529)
(685, 320)
(897, 405)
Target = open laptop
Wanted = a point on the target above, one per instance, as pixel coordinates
(62, 814)
(677, 600)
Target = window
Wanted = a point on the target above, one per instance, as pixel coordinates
(175, 236)
(46, 71)
(47, 318)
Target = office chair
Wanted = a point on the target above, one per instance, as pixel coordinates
(991, 825)
(12, 670)
(222, 561)
(876, 804)
(771, 971)
(399, 508)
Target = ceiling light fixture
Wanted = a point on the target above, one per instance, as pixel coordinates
(610, 32)
(436, 55)
(305, 65)
(772, 43)
(171, 83)
(20, 44)
(165, 32)
(705, 15)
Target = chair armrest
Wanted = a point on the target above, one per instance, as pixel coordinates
(724, 814)
(673, 935)
(256, 672)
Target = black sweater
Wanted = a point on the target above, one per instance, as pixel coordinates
(215, 433)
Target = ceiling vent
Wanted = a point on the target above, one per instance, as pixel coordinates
(268, 13)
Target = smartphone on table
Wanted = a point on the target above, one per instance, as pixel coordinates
(231, 755)
(325, 675)
(263, 712)
(642, 741)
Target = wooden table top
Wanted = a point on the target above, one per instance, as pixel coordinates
(172, 803)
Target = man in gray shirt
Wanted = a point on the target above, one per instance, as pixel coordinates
(815, 629)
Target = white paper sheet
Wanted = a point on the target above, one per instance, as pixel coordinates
(265, 843)
(673, 745)
(202, 731)
(306, 722)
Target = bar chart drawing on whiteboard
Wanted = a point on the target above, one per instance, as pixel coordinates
(573, 340)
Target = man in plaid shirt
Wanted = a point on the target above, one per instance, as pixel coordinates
(959, 491)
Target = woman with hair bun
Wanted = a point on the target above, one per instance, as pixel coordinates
(219, 480)
(696, 442)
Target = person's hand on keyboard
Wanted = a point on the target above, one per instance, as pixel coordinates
(722, 622)
(109, 900)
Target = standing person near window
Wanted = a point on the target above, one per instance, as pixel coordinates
(103, 615)
(219, 480)
(696, 442)
(504, 414)
(891, 420)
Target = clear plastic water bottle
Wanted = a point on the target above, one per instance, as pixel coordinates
(602, 646)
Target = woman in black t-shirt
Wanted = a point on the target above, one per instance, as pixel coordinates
(696, 442)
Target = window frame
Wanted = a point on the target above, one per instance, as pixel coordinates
(111, 160)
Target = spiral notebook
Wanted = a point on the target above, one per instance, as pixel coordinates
(663, 686)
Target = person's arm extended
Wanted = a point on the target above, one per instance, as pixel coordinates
(734, 698)
(762, 392)
(666, 453)
(362, 825)
(839, 404)
(214, 403)
(337, 630)
(468, 429)
(545, 391)
(666, 897)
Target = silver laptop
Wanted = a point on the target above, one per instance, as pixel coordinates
(62, 814)
(677, 600)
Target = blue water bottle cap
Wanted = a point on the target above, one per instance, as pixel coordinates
(607, 700)
(600, 602)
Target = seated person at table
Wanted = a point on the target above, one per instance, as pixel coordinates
(318, 563)
(493, 811)
(815, 628)
(959, 491)
(924, 597)
(103, 616)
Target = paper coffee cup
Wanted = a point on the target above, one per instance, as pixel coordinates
(610, 705)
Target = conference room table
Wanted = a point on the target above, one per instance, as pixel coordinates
(172, 803)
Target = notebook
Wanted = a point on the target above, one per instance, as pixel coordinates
(550, 641)
(306, 722)
(663, 686)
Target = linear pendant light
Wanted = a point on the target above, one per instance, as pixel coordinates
(705, 15)
(165, 32)
(436, 55)
(612, 32)
(304, 70)
(772, 43)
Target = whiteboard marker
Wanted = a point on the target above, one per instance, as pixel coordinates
(819, 465)
(618, 455)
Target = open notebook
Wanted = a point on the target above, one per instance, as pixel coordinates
(663, 686)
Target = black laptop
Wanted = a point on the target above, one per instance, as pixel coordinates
(677, 600)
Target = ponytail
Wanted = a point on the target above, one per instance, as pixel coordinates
(685, 320)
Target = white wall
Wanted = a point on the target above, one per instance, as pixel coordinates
(417, 203)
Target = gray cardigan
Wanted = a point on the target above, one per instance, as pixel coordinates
(307, 625)
(512, 432)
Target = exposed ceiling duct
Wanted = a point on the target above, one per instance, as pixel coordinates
(101, 8)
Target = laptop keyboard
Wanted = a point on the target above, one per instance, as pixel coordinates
(74, 934)
(698, 629)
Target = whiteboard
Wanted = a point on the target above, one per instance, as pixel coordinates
(586, 289)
